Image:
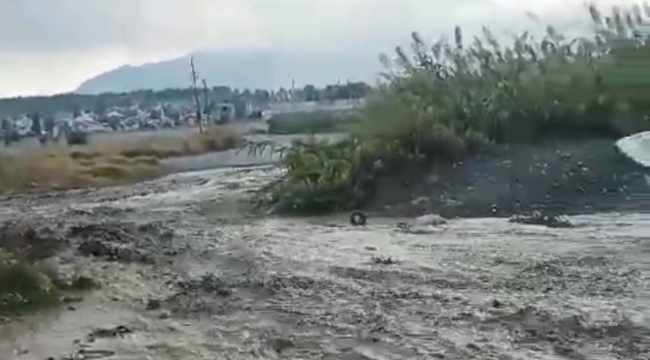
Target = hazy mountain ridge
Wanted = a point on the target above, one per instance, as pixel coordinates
(252, 69)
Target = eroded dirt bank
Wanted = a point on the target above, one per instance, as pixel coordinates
(584, 176)
(185, 274)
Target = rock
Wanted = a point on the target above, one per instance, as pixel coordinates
(164, 315)
(153, 304)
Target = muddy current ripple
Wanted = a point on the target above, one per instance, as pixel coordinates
(222, 284)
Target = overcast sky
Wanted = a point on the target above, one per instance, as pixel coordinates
(50, 46)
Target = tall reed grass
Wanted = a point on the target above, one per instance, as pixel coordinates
(440, 102)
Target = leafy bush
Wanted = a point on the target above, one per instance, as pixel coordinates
(445, 101)
(318, 176)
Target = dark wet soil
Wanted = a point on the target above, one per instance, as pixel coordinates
(556, 178)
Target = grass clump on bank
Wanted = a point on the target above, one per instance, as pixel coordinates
(317, 122)
(104, 163)
(444, 102)
(22, 286)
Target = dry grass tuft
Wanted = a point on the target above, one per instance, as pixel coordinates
(104, 163)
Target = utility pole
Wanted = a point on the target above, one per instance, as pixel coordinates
(206, 105)
(196, 97)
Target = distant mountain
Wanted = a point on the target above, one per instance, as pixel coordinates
(252, 69)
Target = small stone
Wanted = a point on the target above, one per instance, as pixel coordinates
(371, 248)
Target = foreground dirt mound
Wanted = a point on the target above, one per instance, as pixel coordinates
(121, 241)
(31, 242)
(565, 178)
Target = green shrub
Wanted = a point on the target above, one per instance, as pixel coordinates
(318, 177)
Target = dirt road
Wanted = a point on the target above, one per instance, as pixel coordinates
(211, 282)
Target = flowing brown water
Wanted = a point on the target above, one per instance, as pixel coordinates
(234, 286)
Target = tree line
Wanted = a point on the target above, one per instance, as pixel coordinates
(72, 102)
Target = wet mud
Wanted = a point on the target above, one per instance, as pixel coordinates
(181, 270)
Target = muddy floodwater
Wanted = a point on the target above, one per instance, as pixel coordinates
(197, 277)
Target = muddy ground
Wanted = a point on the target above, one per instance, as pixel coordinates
(577, 177)
(183, 272)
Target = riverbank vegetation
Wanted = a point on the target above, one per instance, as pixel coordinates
(317, 122)
(104, 161)
(22, 285)
(442, 102)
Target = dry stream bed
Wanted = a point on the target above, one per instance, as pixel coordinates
(184, 273)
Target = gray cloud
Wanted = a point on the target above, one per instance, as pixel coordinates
(79, 38)
(60, 25)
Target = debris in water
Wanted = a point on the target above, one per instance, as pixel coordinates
(430, 220)
(357, 218)
(425, 224)
(99, 248)
(384, 260)
(538, 218)
(109, 332)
